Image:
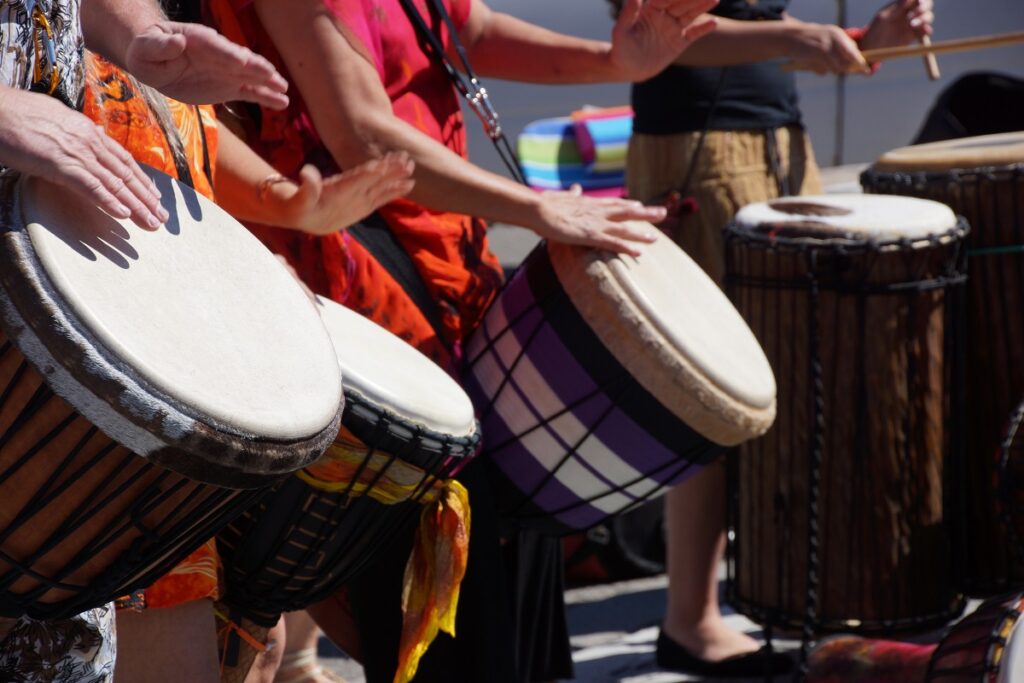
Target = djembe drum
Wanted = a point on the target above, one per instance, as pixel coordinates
(406, 428)
(600, 380)
(986, 646)
(146, 377)
(838, 511)
(981, 179)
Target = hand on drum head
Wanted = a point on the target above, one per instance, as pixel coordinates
(321, 206)
(649, 35)
(899, 23)
(824, 49)
(40, 136)
(195, 64)
(597, 222)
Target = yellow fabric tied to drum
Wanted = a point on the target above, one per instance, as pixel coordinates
(434, 572)
(406, 430)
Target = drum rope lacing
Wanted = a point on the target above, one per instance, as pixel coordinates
(953, 276)
(272, 585)
(987, 627)
(1009, 487)
(992, 198)
(136, 565)
(958, 183)
(610, 390)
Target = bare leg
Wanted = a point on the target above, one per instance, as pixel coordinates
(266, 664)
(300, 662)
(695, 525)
(168, 645)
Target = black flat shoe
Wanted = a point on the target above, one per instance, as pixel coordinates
(673, 656)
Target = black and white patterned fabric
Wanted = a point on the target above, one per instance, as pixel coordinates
(77, 650)
(41, 47)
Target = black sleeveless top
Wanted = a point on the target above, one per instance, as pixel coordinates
(753, 96)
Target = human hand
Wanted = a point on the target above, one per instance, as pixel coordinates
(823, 49)
(321, 206)
(650, 34)
(195, 64)
(44, 138)
(597, 222)
(899, 23)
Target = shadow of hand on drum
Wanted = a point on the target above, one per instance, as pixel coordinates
(170, 201)
(92, 233)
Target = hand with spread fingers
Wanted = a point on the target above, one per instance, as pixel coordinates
(824, 49)
(195, 64)
(44, 138)
(320, 206)
(900, 23)
(650, 34)
(604, 223)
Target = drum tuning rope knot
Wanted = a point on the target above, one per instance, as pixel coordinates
(817, 444)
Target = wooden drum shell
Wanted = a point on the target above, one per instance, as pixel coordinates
(879, 324)
(992, 201)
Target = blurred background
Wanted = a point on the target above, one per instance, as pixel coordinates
(849, 122)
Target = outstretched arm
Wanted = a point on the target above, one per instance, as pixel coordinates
(647, 36)
(353, 114)
(250, 190)
(188, 62)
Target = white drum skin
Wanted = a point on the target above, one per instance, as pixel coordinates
(858, 216)
(392, 374)
(222, 327)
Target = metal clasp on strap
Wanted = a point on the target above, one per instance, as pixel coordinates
(43, 41)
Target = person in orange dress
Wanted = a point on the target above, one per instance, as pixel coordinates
(167, 631)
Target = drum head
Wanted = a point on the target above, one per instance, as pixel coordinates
(209, 337)
(667, 322)
(983, 151)
(391, 374)
(876, 218)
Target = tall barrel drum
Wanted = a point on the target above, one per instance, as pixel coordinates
(982, 179)
(838, 511)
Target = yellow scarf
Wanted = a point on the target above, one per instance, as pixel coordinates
(433, 574)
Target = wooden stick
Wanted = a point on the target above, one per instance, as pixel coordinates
(943, 47)
(931, 64)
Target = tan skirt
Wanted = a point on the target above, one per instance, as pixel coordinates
(733, 170)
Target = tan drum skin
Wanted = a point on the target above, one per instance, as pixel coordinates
(883, 558)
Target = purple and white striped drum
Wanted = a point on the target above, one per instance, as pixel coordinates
(602, 379)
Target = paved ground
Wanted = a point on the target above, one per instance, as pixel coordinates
(613, 629)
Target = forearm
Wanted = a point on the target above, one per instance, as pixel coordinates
(740, 42)
(245, 186)
(110, 25)
(541, 56)
(444, 180)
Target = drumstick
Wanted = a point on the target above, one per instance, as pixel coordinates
(942, 47)
(931, 64)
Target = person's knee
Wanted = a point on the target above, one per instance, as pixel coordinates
(167, 645)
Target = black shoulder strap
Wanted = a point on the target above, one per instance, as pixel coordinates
(377, 238)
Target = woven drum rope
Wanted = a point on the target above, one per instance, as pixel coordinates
(102, 495)
(611, 390)
(953, 277)
(1007, 486)
(346, 497)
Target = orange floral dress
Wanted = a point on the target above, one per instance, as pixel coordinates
(113, 101)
